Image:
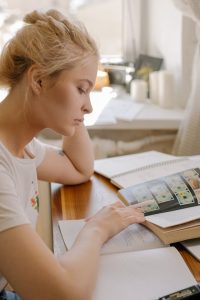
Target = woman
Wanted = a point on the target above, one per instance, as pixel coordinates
(50, 68)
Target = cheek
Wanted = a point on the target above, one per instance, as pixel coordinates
(65, 99)
(58, 103)
(62, 104)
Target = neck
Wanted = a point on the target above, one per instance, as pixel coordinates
(17, 128)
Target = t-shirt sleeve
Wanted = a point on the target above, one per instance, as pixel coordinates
(38, 149)
(12, 213)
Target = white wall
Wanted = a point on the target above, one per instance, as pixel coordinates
(29, 5)
(162, 37)
(103, 20)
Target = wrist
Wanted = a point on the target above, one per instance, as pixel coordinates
(94, 233)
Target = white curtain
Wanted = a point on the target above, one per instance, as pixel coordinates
(188, 138)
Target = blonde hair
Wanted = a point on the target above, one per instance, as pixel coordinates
(49, 40)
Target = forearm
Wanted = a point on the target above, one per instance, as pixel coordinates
(82, 261)
(79, 150)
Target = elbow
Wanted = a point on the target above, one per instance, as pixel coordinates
(84, 178)
(86, 175)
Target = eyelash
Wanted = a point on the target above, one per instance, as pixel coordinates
(81, 91)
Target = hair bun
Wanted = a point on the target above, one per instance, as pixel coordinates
(55, 15)
(35, 16)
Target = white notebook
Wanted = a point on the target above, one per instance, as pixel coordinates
(154, 171)
(125, 164)
(134, 265)
(142, 275)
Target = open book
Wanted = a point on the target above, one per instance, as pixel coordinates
(174, 211)
(134, 264)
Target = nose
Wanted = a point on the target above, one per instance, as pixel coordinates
(87, 109)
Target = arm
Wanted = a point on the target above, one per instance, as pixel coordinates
(71, 165)
(80, 151)
(33, 271)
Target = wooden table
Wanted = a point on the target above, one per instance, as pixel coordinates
(80, 201)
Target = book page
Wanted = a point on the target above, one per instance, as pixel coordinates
(133, 238)
(175, 217)
(142, 275)
(178, 191)
(118, 165)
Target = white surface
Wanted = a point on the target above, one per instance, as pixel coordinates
(138, 116)
(118, 165)
(108, 110)
(155, 171)
(193, 246)
(142, 275)
(176, 217)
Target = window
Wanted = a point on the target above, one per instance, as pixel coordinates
(103, 20)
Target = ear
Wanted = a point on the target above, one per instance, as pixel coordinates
(34, 79)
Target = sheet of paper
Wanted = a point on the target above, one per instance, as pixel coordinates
(193, 246)
(114, 166)
(125, 110)
(69, 230)
(142, 275)
(135, 237)
(175, 217)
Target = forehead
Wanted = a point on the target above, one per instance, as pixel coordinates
(85, 70)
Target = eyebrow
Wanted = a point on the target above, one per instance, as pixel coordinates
(88, 81)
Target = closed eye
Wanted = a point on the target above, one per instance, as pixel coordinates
(81, 91)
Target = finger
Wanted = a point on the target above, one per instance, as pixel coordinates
(143, 204)
(127, 211)
(118, 204)
(138, 209)
(139, 218)
(133, 209)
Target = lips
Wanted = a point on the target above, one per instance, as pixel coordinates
(79, 120)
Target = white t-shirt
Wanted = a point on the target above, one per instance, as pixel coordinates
(19, 199)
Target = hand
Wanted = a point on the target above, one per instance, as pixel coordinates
(113, 218)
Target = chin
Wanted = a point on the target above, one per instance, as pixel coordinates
(67, 131)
